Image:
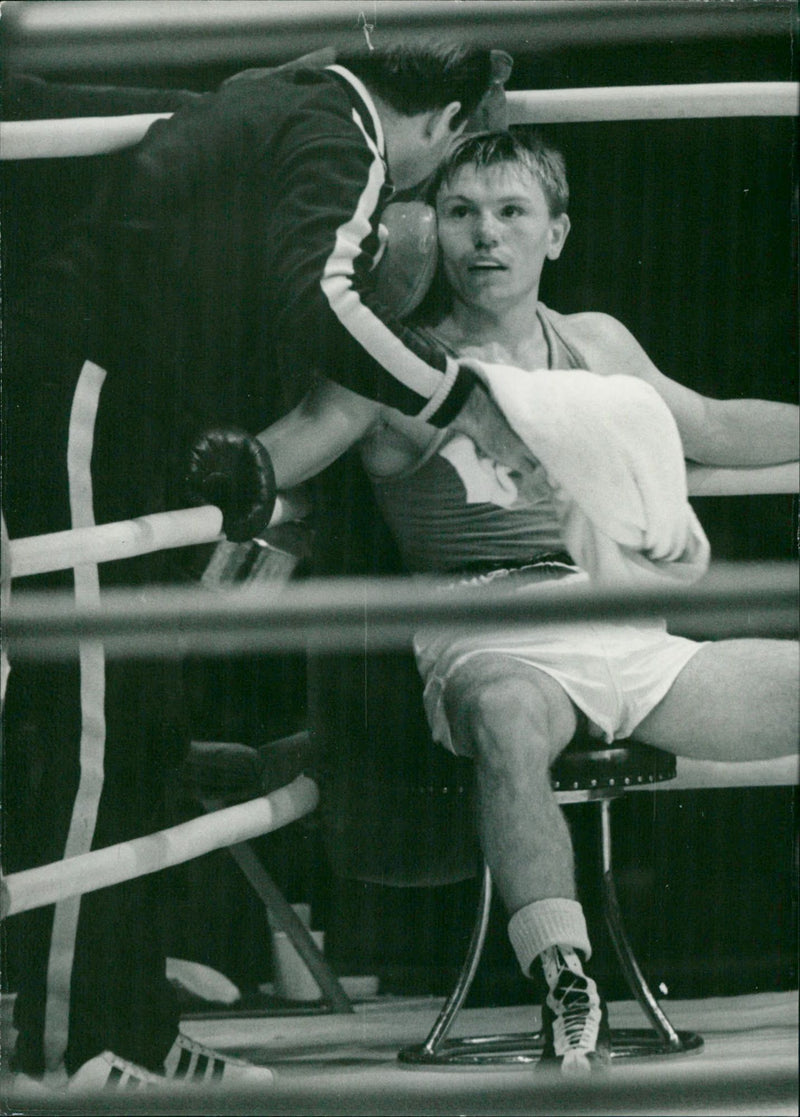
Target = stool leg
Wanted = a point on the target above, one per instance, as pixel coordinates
(630, 967)
(444, 1021)
(284, 914)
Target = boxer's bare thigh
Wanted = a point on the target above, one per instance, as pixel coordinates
(734, 700)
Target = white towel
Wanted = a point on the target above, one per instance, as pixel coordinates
(614, 460)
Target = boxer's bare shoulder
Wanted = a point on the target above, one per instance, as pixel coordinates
(608, 345)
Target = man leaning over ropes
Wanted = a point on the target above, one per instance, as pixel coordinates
(228, 253)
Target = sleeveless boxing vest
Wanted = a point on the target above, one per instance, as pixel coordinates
(455, 510)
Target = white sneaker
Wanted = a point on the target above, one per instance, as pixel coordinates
(187, 1062)
(108, 1072)
(574, 1016)
(195, 1064)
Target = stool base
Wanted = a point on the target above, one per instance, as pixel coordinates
(526, 1047)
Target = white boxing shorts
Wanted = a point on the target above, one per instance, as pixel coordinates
(615, 673)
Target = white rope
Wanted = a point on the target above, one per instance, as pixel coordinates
(691, 774)
(49, 884)
(85, 135)
(98, 135)
(161, 531)
(654, 102)
(39, 554)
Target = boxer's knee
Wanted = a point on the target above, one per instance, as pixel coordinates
(504, 712)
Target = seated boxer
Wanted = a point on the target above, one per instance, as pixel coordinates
(512, 699)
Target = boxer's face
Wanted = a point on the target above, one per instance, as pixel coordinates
(495, 232)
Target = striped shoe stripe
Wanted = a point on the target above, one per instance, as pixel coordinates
(120, 1078)
(184, 1064)
(114, 1078)
(200, 1066)
(128, 1081)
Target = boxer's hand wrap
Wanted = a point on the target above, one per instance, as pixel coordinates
(229, 468)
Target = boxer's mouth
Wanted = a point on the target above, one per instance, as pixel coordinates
(486, 264)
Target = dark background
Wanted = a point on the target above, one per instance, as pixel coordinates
(687, 232)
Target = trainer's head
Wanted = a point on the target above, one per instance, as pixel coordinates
(425, 96)
(501, 201)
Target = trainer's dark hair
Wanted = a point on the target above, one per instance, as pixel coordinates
(416, 78)
(521, 145)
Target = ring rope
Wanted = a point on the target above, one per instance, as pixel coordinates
(40, 554)
(123, 539)
(49, 884)
(98, 135)
(349, 614)
(59, 550)
(653, 102)
(241, 31)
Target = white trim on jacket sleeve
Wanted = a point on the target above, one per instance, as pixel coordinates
(363, 324)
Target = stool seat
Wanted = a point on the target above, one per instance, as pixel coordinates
(589, 765)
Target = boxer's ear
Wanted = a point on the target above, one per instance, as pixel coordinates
(405, 270)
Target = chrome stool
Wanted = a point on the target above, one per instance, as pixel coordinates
(583, 773)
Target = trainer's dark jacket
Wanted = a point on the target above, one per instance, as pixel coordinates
(225, 258)
(236, 247)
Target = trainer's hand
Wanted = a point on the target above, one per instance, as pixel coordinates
(229, 468)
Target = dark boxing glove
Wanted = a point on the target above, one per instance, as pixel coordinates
(232, 470)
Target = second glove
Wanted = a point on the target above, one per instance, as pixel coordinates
(231, 469)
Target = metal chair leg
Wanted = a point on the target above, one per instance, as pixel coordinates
(522, 1047)
(526, 1047)
(437, 1037)
(633, 1042)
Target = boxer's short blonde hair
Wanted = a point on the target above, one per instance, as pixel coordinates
(522, 146)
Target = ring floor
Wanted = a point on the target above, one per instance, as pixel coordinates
(346, 1065)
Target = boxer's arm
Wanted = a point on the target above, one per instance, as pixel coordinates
(243, 475)
(326, 423)
(723, 432)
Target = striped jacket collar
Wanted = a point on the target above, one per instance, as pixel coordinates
(371, 113)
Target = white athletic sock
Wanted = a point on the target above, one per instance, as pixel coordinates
(546, 923)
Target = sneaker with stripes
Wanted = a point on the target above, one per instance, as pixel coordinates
(574, 1016)
(188, 1063)
(108, 1072)
(191, 1062)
